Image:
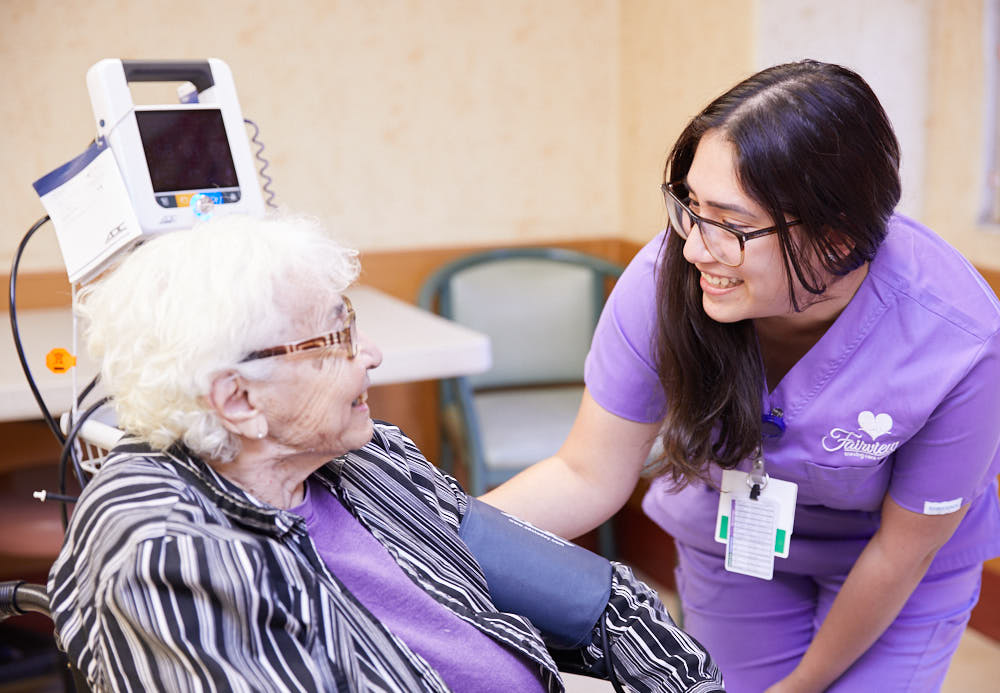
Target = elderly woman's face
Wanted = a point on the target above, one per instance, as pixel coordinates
(316, 400)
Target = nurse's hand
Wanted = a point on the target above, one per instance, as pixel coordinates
(882, 579)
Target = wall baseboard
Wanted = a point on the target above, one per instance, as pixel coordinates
(40, 290)
(399, 273)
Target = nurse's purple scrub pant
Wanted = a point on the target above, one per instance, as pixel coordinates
(757, 630)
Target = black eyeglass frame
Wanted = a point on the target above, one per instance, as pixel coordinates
(345, 336)
(669, 196)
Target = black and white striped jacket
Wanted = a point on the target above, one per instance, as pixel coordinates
(173, 578)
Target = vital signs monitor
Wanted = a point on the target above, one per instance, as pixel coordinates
(179, 161)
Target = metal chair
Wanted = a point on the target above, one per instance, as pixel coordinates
(539, 307)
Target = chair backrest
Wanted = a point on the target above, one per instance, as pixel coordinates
(539, 307)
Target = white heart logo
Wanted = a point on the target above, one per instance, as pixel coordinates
(874, 426)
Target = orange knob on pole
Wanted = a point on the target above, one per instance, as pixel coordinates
(59, 360)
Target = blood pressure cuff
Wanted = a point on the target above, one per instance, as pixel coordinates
(560, 587)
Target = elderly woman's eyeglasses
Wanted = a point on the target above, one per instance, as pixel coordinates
(347, 337)
(723, 242)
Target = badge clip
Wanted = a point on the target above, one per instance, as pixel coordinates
(757, 480)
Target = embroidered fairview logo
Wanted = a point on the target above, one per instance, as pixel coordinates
(854, 444)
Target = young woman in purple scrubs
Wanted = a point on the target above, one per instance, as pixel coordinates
(788, 315)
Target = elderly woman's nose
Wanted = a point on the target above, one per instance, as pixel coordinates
(369, 350)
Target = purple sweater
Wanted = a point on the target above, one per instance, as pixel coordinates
(465, 658)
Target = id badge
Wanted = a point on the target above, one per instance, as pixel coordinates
(755, 530)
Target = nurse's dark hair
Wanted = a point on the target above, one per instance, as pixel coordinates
(811, 142)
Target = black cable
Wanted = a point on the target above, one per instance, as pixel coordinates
(86, 390)
(44, 495)
(79, 402)
(17, 335)
(68, 452)
(609, 661)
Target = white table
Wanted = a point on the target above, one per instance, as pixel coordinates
(415, 344)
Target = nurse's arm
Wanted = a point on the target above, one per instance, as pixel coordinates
(882, 579)
(587, 481)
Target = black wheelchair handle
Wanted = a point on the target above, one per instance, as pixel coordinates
(19, 597)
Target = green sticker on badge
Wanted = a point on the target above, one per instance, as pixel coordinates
(779, 541)
(724, 527)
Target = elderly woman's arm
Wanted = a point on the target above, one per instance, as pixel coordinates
(650, 652)
(176, 618)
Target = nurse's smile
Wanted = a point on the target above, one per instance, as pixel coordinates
(718, 285)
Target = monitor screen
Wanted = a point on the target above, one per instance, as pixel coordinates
(186, 149)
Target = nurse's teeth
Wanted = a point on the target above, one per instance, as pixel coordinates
(721, 282)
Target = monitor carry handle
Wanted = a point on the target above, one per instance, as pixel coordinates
(198, 72)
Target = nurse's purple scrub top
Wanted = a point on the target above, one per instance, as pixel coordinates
(901, 395)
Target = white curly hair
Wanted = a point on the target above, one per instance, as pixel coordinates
(188, 305)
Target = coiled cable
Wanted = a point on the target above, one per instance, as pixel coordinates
(266, 187)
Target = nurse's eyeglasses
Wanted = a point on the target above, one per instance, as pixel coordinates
(346, 337)
(723, 242)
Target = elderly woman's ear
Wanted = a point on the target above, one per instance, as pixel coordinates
(229, 398)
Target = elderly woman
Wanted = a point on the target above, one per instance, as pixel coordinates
(258, 531)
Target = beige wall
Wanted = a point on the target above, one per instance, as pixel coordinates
(430, 123)
(956, 135)
(402, 124)
(676, 56)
